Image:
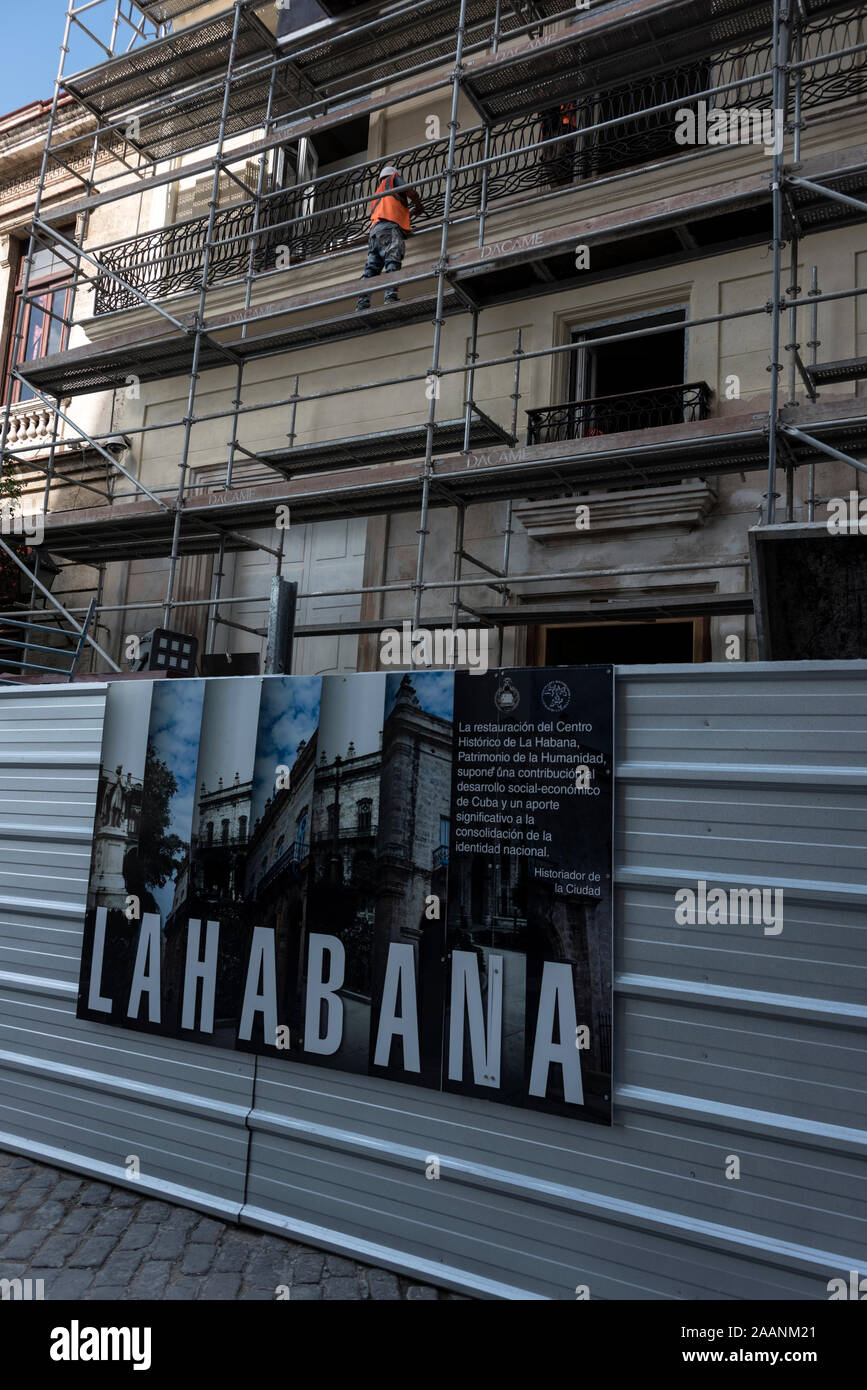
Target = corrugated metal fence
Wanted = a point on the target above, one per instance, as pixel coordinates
(729, 1042)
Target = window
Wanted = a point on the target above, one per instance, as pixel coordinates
(242, 828)
(209, 833)
(637, 384)
(445, 824)
(301, 835)
(49, 302)
(365, 813)
(194, 199)
(225, 832)
(333, 818)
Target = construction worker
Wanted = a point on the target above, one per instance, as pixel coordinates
(558, 159)
(390, 226)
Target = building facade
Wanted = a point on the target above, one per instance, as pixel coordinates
(622, 380)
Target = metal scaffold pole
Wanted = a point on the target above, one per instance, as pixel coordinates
(200, 317)
(781, 36)
(813, 345)
(18, 332)
(427, 474)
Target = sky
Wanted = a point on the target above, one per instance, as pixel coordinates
(288, 713)
(435, 691)
(31, 32)
(175, 726)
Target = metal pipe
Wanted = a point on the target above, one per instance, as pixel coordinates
(780, 47)
(197, 343)
(37, 584)
(216, 586)
(506, 591)
(460, 512)
(552, 351)
(796, 122)
(793, 345)
(534, 578)
(824, 448)
(483, 195)
(435, 178)
(813, 345)
(293, 411)
(829, 193)
(98, 447)
(104, 270)
(237, 402)
(18, 334)
(790, 492)
(257, 68)
(470, 378)
(516, 392)
(438, 318)
(303, 118)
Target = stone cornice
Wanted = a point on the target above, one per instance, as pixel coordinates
(682, 507)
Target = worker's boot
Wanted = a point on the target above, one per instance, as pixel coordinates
(363, 303)
(391, 297)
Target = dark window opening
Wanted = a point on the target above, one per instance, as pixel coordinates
(346, 141)
(626, 644)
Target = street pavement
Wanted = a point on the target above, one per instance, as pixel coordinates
(89, 1240)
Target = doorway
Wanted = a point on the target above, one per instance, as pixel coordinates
(631, 385)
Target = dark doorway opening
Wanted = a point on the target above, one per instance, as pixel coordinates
(625, 644)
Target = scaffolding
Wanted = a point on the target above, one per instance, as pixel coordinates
(169, 84)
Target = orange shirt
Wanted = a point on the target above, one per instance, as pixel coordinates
(388, 208)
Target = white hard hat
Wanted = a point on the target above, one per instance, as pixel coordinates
(388, 169)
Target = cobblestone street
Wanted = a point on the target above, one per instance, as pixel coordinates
(88, 1240)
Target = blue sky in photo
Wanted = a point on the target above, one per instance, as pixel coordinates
(31, 32)
(435, 691)
(176, 721)
(288, 713)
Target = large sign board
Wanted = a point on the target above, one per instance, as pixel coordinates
(406, 875)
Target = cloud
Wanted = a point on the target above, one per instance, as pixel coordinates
(288, 713)
(175, 726)
(435, 691)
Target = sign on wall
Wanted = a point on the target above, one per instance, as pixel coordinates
(404, 875)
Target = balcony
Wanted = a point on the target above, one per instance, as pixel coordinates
(220, 842)
(313, 219)
(635, 410)
(330, 213)
(30, 422)
(291, 861)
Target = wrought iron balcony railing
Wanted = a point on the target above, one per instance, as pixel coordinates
(330, 213)
(316, 218)
(291, 860)
(634, 410)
